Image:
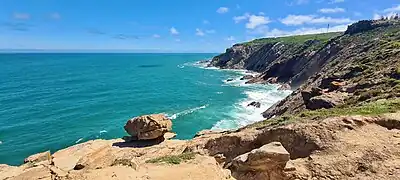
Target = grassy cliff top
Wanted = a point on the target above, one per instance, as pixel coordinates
(295, 39)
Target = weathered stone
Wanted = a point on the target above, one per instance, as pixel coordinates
(36, 158)
(268, 157)
(326, 101)
(169, 135)
(148, 126)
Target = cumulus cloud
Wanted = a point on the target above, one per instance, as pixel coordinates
(21, 16)
(238, 19)
(392, 9)
(332, 10)
(298, 2)
(199, 32)
(253, 21)
(312, 19)
(173, 31)
(222, 10)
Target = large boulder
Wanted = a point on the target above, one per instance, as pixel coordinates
(327, 100)
(148, 126)
(266, 162)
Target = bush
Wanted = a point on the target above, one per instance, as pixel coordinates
(173, 159)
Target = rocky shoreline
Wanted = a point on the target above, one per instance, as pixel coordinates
(341, 122)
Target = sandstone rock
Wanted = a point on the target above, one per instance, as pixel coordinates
(169, 135)
(148, 126)
(255, 104)
(265, 158)
(266, 162)
(36, 158)
(39, 172)
(66, 159)
(246, 77)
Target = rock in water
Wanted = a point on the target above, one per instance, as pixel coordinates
(148, 126)
(246, 77)
(255, 104)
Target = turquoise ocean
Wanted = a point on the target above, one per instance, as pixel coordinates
(49, 101)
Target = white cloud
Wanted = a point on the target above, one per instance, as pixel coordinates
(299, 2)
(265, 32)
(230, 38)
(21, 16)
(199, 32)
(312, 19)
(238, 19)
(156, 36)
(255, 21)
(336, 1)
(173, 31)
(392, 9)
(222, 10)
(332, 10)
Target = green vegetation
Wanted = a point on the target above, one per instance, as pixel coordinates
(173, 159)
(324, 37)
(370, 109)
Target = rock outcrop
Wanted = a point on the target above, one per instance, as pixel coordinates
(255, 104)
(148, 127)
(350, 68)
(267, 162)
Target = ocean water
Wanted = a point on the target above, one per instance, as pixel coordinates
(51, 101)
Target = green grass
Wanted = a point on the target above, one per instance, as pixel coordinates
(368, 109)
(173, 159)
(324, 37)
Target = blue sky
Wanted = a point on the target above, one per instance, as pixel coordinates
(172, 26)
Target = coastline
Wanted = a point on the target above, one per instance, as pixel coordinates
(242, 114)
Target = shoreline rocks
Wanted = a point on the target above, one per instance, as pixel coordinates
(255, 104)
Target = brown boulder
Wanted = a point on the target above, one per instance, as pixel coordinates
(266, 162)
(148, 126)
(255, 104)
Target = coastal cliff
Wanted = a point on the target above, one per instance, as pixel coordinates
(324, 70)
(342, 120)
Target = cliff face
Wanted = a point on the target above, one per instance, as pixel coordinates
(328, 70)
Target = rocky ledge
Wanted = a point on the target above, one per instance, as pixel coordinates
(344, 147)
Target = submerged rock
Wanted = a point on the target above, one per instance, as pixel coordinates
(255, 104)
(229, 80)
(148, 126)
